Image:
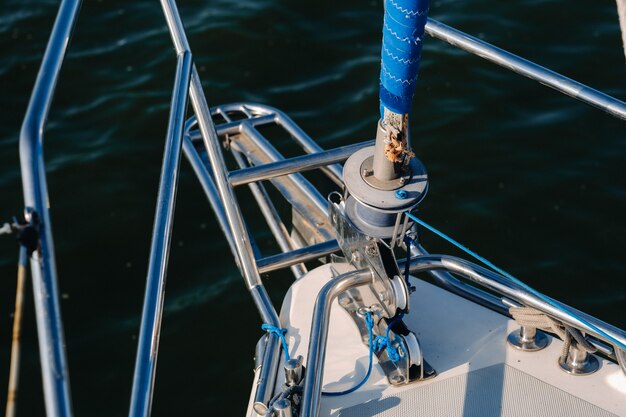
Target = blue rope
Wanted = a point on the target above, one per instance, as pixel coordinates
(280, 332)
(370, 326)
(384, 342)
(374, 346)
(515, 280)
(460, 246)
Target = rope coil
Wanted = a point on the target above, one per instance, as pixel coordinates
(385, 342)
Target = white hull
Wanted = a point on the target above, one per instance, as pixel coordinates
(479, 373)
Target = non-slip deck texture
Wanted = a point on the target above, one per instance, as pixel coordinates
(495, 391)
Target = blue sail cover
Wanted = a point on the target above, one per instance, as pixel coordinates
(403, 30)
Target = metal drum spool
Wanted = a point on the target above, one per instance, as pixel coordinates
(373, 205)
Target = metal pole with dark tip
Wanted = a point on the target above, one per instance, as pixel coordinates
(387, 179)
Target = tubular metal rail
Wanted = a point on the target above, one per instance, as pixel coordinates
(42, 263)
(258, 160)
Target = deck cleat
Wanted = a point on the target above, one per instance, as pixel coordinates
(294, 371)
(282, 408)
(528, 339)
(577, 361)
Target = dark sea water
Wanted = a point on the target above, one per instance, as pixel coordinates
(533, 180)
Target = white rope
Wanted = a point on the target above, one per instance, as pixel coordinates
(621, 13)
(530, 317)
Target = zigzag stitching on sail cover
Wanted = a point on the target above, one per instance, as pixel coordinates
(408, 12)
(407, 40)
(396, 58)
(394, 78)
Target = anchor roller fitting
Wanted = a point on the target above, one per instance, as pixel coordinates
(375, 196)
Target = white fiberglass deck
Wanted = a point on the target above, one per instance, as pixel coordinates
(478, 373)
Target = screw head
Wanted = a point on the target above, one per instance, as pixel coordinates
(402, 194)
(396, 379)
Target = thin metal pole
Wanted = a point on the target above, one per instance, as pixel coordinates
(319, 335)
(242, 243)
(335, 171)
(14, 372)
(445, 280)
(47, 309)
(234, 217)
(526, 68)
(208, 185)
(298, 179)
(227, 194)
(305, 254)
(210, 191)
(296, 164)
(232, 128)
(147, 349)
(272, 218)
(621, 13)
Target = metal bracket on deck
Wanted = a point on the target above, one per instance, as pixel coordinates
(387, 297)
(363, 251)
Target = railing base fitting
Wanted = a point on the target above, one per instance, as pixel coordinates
(578, 361)
(528, 339)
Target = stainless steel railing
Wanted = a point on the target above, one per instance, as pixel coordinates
(445, 271)
(148, 343)
(43, 266)
(218, 184)
(495, 282)
(319, 336)
(512, 62)
(147, 350)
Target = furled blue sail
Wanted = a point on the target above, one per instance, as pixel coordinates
(403, 31)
